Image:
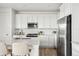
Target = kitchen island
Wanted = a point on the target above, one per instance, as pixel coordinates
(33, 43)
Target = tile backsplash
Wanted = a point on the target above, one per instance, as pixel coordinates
(45, 31)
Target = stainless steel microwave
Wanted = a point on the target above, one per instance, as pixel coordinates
(32, 25)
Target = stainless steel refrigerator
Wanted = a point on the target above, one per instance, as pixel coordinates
(64, 46)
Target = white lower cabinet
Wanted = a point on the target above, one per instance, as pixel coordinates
(51, 42)
(47, 42)
(35, 50)
(43, 41)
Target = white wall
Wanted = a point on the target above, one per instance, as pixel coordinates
(13, 20)
(75, 22)
(75, 28)
(6, 23)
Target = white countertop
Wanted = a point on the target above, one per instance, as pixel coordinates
(32, 41)
(20, 36)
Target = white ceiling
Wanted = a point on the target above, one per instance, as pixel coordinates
(47, 7)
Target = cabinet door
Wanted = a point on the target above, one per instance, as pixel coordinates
(32, 18)
(47, 42)
(46, 21)
(18, 21)
(29, 18)
(24, 21)
(40, 22)
(53, 21)
(35, 18)
(51, 42)
(44, 42)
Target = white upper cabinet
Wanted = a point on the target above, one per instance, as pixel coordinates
(18, 21)
(24, 21)
(40, 21)
(53, 21)
(32, 18)
(35, 18)
(65, 9)
(21, 21)
(44, 20)
(47, 21)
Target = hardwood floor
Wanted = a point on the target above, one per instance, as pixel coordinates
(47, 52)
